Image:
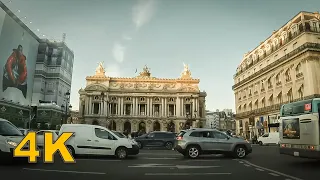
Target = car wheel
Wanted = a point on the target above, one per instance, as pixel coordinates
(193, 152)
(139, 145)
(121, 153)
(168, 145)
(260, 143)
(240, 152)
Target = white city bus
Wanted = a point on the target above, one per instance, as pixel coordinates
(300, 129)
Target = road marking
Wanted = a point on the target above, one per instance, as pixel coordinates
(170, 166)
(183, 174)
(259, 169)
(111, 160)
(62, 171)
(273, 174)
(276, 172)
(202, 160)
(241, 162)
(247, 165)
(164, 158)
(157, 154)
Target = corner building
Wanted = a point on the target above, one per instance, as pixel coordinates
(142, 103)
(284, 68)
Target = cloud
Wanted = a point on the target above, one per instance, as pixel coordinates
(125, 37)
(113, 70)
(118, 52)
(142, 12)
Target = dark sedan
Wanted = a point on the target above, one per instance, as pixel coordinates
(157, 139)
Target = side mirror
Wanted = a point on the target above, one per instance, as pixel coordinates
(228, 137)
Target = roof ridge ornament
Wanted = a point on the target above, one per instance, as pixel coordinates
(100, 70)
(186, 73)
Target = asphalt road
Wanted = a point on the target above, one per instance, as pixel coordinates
(264, 163)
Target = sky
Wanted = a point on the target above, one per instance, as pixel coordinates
(211, 36)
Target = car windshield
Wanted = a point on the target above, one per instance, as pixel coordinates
(8, 129)
(119, 134)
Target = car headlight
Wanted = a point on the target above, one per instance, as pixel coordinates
(12, 143)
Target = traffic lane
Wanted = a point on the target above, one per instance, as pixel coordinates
(147, 168)
(269, 157)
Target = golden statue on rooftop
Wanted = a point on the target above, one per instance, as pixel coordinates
(186, 73)
(100, 71)
(145, 72)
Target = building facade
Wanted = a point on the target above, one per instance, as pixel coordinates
(53, 76)
(283, 68)
(52, 79)
(212, 120)
(142, 103)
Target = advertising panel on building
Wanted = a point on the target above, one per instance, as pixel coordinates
(18, 53)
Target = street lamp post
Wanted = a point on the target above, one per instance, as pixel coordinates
(108, 111)
(65, 107)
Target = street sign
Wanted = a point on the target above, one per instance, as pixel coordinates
(170, 166)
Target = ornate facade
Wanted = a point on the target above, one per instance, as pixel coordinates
(284, 68)
(143, 102)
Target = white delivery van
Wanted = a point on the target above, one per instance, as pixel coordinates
(269, 138)
(10, 137)
(97, 140)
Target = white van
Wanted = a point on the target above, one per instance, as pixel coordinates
(269, 138)
(10, 137)
(97, 140)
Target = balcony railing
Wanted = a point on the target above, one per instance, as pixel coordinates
(305, 46)
(271, 108)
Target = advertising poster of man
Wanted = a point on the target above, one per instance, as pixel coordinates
(18, 54)
(15, 71)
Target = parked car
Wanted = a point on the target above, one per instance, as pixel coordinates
(10, 137)
(157, 139)
(97, 140)
(194, 142)
(24, 131)
(269, 138)
(40, 136)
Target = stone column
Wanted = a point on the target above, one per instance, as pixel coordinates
(133, 106)
(137, 107)
(165, 107)
(193, 107)
(90, 105)
(162, 107)
(86, 105)
(150, 107)
(122, 106)
(177, 109)
(118, 106)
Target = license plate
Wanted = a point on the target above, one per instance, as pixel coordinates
(296, 153)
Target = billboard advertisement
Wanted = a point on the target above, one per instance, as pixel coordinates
(291, 128)
(18, 53)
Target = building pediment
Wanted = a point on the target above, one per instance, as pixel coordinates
(96, 87)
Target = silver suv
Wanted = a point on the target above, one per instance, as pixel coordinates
(194, 142)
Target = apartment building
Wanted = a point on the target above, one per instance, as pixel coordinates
(283, 68)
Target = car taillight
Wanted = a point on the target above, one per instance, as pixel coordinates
(179, 138)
